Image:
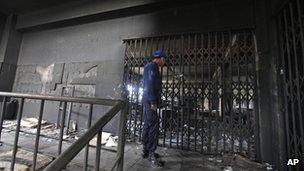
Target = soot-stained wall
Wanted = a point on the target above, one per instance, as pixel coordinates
(90, 56)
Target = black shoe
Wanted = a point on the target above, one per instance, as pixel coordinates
(145, 154)
(154, 161)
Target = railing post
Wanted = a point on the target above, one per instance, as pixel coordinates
(38, 135)
(121, 138)
(2, 114)
(87, 147)
(62, 127)
(17, 134)
(98, 148)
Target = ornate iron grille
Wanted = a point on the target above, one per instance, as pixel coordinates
(208, 90)
(290, 24)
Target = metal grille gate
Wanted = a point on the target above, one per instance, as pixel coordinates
(291, 31)
(208, 90)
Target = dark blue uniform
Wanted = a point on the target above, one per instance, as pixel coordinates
(151, 94)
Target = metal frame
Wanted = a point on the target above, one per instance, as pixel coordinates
(83, 142)
(206, 76)
(290, 22)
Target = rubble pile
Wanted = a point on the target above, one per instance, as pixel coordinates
(51, 132)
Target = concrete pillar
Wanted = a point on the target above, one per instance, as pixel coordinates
(9, 52)
(271, 125)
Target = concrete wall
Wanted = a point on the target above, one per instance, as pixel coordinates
(2, 25)
(271, 118)
(99, 44)
(9, 51)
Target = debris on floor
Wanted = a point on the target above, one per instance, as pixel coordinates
(236, 160)
(50, 130)
(23, 160)
(104, 139)
(31, 122)
(112, 142)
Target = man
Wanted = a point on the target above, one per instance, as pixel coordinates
(151, 99)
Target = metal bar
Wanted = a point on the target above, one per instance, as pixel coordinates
(38, 135)
(182, 94)
(75, 148)
(17, 134)
(223, 95)
(121, 138)
(209, 94)
(60, 108)
(232, 96)
(247, 113)
(291, 87)
(160, 118)
(141, 108)
(195, 90)
(63, 113)
(177, 34)
(160, 45)
(164, 115)
(98, 148)
(130, 100)
(117, 159)
(2, 113)
(297, 82)
(99, 101)
(239, 95)
(189, 92)
(127, 80)
(70, 113)
(58, 115)
(203, 94)
(215, 93)
(135, 94)
(173, 90)
(87, 147)
(301, 28)
(179, 118)
(131, 116)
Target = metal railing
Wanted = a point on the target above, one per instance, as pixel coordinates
(67, 156)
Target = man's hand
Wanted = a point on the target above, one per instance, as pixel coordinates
(154, 106)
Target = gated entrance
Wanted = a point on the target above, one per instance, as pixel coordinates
(291, 31)
(208, 90)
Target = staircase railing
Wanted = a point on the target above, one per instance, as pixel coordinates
(67, 156)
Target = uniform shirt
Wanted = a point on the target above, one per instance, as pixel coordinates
(152, 83)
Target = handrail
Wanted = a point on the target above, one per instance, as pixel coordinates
(99, 101)
(67, 156)
(74, 149)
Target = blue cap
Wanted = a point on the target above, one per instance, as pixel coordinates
(159, 53)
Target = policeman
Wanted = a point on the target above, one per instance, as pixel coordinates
(151, 99)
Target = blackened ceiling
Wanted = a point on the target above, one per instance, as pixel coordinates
(24, 6)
